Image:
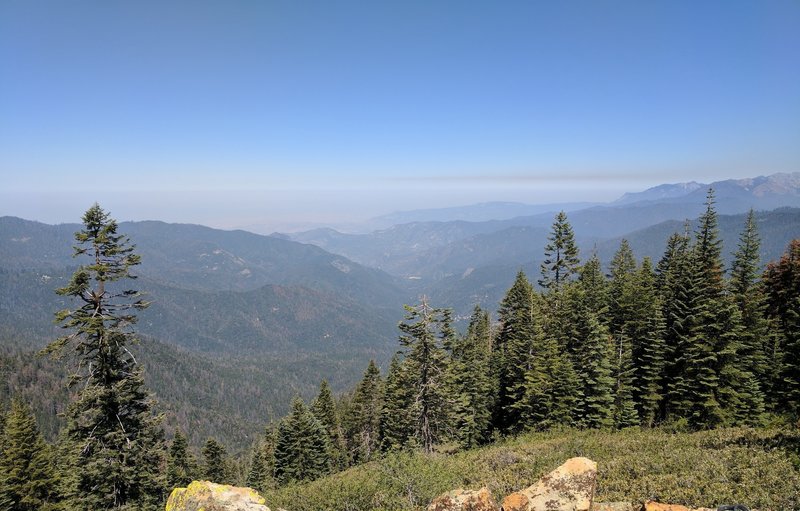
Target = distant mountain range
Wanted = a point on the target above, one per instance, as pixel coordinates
(474, 213)
(429, 249)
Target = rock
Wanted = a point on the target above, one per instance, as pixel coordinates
(652, 505)
(207, 496)
(570, 487)
(516, 502)
(614, 506)
(464, 500)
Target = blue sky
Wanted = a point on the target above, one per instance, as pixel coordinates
(288, 113)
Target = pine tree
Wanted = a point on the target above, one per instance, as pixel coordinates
(181, 466)
(647, 330)
(470, 383)
(623, 297)
(713, 332)
(560, 255)
(511, 357)
(116, 440)
(591, 347)
(755, 334)
(678, 294)
(364, 420)
(397, 417)
(594, 286)
(550, 392)
(422, 331)
(27, 478)
(215, 462)
(301, 446)
(262, 465)
(782, 280)
(324, 409)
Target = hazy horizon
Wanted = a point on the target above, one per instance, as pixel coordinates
(288, 115)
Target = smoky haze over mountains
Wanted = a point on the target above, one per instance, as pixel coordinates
(271, 315)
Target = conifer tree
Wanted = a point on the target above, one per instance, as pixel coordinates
(647, 329)
(257, 475)
(181, 466)
(713, 332)
(782, 280)
(470, 382)
(560, 255)
(622, 323)
(115, 438)
(511, 357)
(324, 410)
(364, 420)
(679, 296)
(551, 388)
(301, 446)
(262, 466)
(755, 335)
(595, 287)
(422, 331)
(591, 348)
(397, 417)
(27, 478)
(215, 462)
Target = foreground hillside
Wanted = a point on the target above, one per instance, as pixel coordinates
(759, 468)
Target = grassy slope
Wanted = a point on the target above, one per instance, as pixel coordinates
(759, 468)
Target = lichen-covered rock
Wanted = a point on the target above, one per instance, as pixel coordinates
(207, 496)
(464, 500)
(516, 502)
(570, 487)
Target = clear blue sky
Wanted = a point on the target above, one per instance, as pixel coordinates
(275, 112)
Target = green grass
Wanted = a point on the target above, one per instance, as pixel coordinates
(759, 468)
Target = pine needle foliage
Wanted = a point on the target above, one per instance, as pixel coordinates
(116, 442)
(28, 481)
(363, 422)
(422, 334)
(560, 255)
(470, 383)
(302, 451)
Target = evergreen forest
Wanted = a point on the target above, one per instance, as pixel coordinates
(685, 343)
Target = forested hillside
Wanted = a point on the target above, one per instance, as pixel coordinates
(684, 342)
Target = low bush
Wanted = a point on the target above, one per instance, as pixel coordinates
(755, 467)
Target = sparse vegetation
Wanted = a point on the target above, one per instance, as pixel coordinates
(757, 467)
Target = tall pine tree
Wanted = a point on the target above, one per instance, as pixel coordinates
(115, 438)
(362, 424)
(646, 328)
(397, 416)
(423, 331)
(755, 335)
(511, 357)
(678, 294)
(324, 410)
(470, 383)
(622, 302)
(560, 254)
(591, 348)
(713, 332)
